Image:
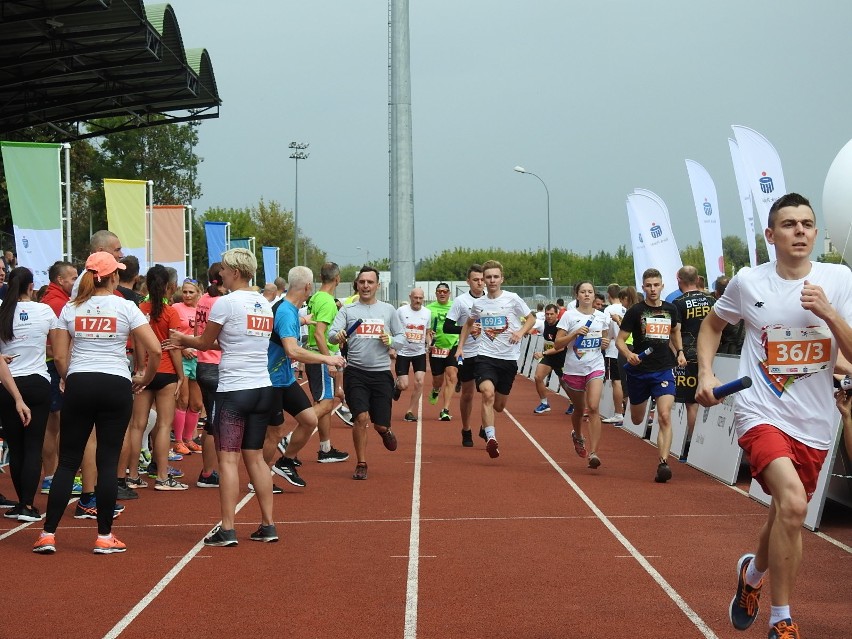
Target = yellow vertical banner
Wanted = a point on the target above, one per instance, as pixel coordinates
(168, 237)
(126, 216)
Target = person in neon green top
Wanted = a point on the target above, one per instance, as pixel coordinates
(442, 355)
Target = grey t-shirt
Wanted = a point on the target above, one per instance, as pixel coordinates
(366, 350)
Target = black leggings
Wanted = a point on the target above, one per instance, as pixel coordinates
(105, 402)
(25, 442)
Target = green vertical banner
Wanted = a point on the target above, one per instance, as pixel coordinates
(35, 196)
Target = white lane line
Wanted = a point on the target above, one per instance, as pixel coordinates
(412, 581)
(656, 576)
(118, 628)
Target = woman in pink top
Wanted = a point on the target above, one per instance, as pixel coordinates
(189, 402)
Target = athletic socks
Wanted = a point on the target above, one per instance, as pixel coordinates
(190, 426)
(325, 446)
(753, 576)
(490, 432)
(178, 424)
(778, 613)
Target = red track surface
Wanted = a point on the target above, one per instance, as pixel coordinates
(507, 548)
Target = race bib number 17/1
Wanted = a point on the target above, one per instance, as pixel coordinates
(104, 325)
(259, 321)
(797, 351)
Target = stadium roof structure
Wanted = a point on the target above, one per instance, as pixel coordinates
(65, 63)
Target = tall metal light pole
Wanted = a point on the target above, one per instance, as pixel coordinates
(297, 154)
(521, 169)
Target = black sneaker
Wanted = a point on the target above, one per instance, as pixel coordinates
(7, 503)
(397, 392)
(30, 514)
(297, 462)
(664, 473)
(388, 438)
(482, 433)
(467, 439)
(784, 629)
(409, 417)
(221, 537)
(276, 490)
(746, 603)
(14, 512)
(208, 482)
(360, 471)
(266, 534)
(285, 468)
(126, 493)
(444, 416)
(331, 456)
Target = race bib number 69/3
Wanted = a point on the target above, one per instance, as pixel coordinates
(797, 351)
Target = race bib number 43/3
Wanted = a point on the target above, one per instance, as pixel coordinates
(797, 351)
(372, 328)
(101, 326)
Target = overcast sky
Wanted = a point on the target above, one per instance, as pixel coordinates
(597, 98)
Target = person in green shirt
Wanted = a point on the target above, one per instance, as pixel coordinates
(442, 355)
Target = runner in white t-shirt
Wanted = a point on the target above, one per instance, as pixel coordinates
(797, 315)
(499, 314)
(245, 401)
(24, 328)
(615, 311)
(456, 318)
(584, 331)
(416, 320)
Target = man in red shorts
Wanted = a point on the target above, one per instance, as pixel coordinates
(796, 314)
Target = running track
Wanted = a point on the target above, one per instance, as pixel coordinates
(439, 542)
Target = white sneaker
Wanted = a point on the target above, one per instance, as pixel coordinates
(615, 419)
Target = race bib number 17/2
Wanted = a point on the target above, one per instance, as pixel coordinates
(797, 351)
(101, 326)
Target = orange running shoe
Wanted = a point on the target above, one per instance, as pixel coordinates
(108, 546)
(45, 544)
(180, 448)
(193, 447)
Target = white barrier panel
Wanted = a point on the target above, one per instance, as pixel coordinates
(678, 428)
(607, 408)
(817, 503)
(714, 449)
(640, 429)
(552, 382)
(840, 485)
(526, 362)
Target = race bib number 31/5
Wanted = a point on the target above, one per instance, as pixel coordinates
(797, 351)
(658, 327)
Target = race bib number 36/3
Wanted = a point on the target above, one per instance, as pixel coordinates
(372, 328)
(797, 351)
(658, 327)
(101, 326)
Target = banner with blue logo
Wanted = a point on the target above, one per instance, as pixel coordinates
(707, 208)
(270, 263)
(217, 234)
(654, 232)
(763, 172)
(33, 183)
(746, 201)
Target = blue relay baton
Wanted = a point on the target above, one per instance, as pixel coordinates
(641, 356)
(354, 327)
(580, 337)
(732, 387)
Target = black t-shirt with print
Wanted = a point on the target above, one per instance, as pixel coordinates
(651, 326)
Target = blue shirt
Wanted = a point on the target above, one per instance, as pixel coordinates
(286, 325)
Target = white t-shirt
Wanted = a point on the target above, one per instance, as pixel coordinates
(499, 318)
(609, 311)
(246, 320)
(99, 329)
(30, 325)
(788, 352)
(415, 323)
(459, 313)
(586, 357)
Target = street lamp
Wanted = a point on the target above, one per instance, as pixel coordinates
(367, 251)
(297, 154)
(521, 169)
